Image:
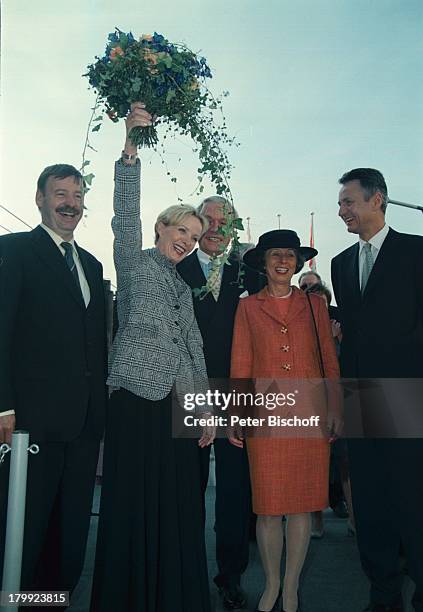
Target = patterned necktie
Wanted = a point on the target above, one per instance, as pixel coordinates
(214, 279)
(71, 262)
(367, 265)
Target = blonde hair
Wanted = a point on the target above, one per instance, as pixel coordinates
(175, 214)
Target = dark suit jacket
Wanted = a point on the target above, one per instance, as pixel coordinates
(383, 329)
(216, 319)
(52, 348)
(333, 312)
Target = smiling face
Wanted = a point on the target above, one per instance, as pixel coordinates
(177, 241)
(361, 216)
(61, 205)
(213, 242)
(280, 266)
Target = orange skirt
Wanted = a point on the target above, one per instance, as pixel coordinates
(288, 476)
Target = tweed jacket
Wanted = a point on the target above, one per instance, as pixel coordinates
(158, 343)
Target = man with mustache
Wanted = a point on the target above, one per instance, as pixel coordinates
(378, 286)
(52, 378)
(215, 316)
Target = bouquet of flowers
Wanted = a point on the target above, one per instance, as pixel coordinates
(171, 81)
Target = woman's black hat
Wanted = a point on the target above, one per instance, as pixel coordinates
(276, 239)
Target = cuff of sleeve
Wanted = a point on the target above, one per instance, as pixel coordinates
(7, 413)
(122, 169)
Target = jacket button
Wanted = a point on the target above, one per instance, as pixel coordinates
(286, 366)
(285, 348)
(177, 306)
(284, 329)
(175, 340)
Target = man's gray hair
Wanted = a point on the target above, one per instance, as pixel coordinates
(216, 199)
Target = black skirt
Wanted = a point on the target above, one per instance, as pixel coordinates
(150, 548)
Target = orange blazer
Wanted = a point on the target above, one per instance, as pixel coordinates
(266, 346)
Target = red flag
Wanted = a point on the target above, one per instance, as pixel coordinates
(312, 262)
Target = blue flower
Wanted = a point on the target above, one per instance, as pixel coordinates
(161, 90)
(106, 55)
(113, 37)
(158, 38)
(131, 38)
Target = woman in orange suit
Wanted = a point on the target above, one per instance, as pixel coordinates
(280, 333)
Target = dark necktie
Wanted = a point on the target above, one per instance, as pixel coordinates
(71, 263)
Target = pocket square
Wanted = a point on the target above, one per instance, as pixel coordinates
(243, 295)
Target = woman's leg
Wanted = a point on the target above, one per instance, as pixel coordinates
(269, 532)
(297, 540)
(317, 527)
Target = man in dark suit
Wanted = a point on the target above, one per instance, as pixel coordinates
(215, 316)
(378, 286)
(52, 378)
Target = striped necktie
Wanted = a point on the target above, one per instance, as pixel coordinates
(367, 265)
(71, 262)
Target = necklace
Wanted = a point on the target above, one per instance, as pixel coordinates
(280, 297)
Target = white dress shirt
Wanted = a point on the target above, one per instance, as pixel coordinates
(85, 288)
(375, 242)
(205, 260)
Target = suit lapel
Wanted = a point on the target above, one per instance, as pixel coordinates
(89, 272)
(383, 262)
(350, 271)
(196, 279)
(229, 283)
(52, 257)
(196, 275)
(298, 302)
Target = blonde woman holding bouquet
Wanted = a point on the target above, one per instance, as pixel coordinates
(150, 551)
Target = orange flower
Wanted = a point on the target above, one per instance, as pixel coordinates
(115, 52)
(150, 56)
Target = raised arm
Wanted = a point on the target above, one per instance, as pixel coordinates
(126, 223)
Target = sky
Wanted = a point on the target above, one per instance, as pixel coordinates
(317, 87)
